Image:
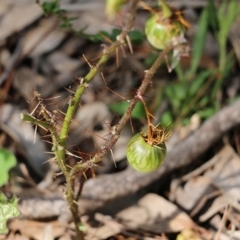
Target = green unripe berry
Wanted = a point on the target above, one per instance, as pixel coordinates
(161, 32)
(143, 156)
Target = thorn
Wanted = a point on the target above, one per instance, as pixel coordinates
(129, 44)
(101, 73)
(71, 154)
(131, 124)
(123, 98)
(89, 64)
(113, 158)
(84, 174)
(146, 7)
(50, 160)
(33, 111)
(57, 174)
(123, 51)
(74, 201)
(93, 173)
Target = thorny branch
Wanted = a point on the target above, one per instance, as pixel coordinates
(59, 141)
(118, 128)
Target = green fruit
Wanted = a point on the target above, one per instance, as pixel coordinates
(143, 156)
(160, 33)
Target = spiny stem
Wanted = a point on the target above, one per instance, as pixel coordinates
(59, 139)
(61, 151)
(85, 80)
(126, 116)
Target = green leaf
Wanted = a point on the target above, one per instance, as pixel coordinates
(180, 73)
(199, 42)
(227, 14)
(213, 18)
(206, 113)
(150, 59)
(8, 210)
(180, 91)
(66, 25)
(121, 108)
(198, 82)
(230, 60)
(7, 161)
(166, 118)
(115, 33)
(136, 37)
(176, 93)
(51, 7)
(204, 101)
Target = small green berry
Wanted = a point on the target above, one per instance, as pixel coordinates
(143, 156)
(161, 33)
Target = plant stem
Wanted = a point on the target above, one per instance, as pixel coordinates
(60, 147)
(80, 167)
(126, 116)
(59, 138)
(85, 80)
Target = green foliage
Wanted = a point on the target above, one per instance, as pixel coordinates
(197, 89)
(136, 37)
(221, 21)
(7, 161)
(150, 59)
(198, 43)
(50, 8)
(8, 210)
(226, 15)
(53, 8)
(185, 98)
(121, 107)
